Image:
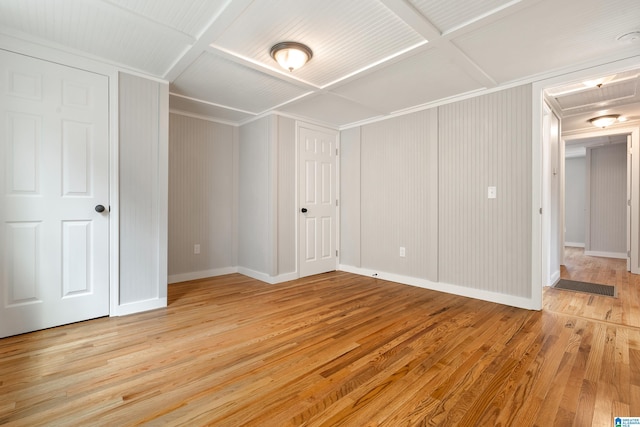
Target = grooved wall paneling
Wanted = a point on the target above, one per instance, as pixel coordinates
(350, 213)
(143, 188)
(575, 187)
(399, 195)
(608, 198)
(255, 246)
(200, 194)
(486, 243)
(287, 211)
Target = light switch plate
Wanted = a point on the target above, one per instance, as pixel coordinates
(491, 192)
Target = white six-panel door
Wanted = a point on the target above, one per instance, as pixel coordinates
(317, 200)
(54, 152)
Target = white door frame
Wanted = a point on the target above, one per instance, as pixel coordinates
(538, 250)
(301, 124)
(48, 54)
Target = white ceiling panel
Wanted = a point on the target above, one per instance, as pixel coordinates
(419, 79)
(191, 107)
(221, 81)
(599, 96)
(188, 16)
(550, 35)
(450, 14)
(371, 57)
(98, 29)
(345, 36)
(330, 109)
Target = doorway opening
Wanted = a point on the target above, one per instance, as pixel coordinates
(575, 104)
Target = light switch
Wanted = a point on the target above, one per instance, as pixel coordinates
(491, 192)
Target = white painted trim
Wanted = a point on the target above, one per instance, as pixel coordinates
(140, 306)
(555, 278)
(195, 275)
(617, 255)
(574, 244)
(272, 280)
(510, 300)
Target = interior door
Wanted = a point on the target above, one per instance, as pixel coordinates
(54, 242)
(317, 199)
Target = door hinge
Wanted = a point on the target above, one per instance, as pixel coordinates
(336, 252)
(336, 202)
(628, 254)
(540, 211)
(336, 151)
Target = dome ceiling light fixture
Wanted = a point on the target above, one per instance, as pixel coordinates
(291, 55)
(604, 121)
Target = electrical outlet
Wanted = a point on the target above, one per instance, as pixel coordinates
(403, 252)
(196, 249)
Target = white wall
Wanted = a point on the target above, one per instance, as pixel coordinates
(607, 217)
(143, 184)
(202, 198)
(575, 189)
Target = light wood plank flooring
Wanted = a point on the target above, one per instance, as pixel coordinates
(330, 350)
(623, 310)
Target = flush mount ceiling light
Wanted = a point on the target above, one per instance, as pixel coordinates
(291, 55)
(598, 82)
(604, 121)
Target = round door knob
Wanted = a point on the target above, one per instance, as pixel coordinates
(99, 208)
(303, 210)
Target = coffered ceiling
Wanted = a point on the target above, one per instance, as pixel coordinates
(370, 58)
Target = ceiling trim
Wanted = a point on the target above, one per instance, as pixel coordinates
(412, 17)
(213, 104)
(218, 24)
(202, 117)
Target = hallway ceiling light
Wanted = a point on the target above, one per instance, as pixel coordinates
(291, 55)
(598, 82)
(604, 121)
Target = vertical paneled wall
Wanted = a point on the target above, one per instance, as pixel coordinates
(420, 182)
(143, 163)
(399, 164)
(201, 196)
(287, 211)
(255, 227)
(608, 198)
(350, 185)
(575, 184)
(485, 243)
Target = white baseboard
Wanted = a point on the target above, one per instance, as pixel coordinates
(195, 275)
(618, 255)
(555, 278)
(140, 306)
(574, 244)
(513, 301)
(263, 277)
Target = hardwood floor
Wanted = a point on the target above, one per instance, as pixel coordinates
(623, 310)
(330, 350)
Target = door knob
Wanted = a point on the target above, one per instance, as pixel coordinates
(99, 208)
(303, 210)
